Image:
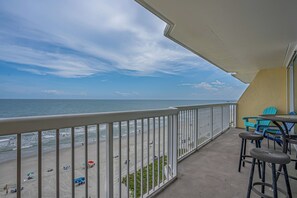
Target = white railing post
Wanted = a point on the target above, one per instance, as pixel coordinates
(39, 134)
(86, 163)
(19, 165)
(57, 163)
(211, 122)
(174, 145)
(109, 161)
(222, 121)
(234, 115)
(73, 162)
(196, 129)
(169, 129)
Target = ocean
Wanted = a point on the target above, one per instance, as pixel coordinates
(23, 108)
(31, 107)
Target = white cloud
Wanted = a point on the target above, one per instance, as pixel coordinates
(126, 94)
(205, 85)
(212, 86)
(217, 82)
(53, 91)
(78, 39)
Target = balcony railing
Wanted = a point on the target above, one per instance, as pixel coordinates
(200, 124)
(119, 154)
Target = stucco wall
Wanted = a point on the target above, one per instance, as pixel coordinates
(267, 89)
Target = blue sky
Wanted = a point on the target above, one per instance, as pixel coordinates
(105, 49)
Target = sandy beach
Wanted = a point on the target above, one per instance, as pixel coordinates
(8, 169)
(29, 164)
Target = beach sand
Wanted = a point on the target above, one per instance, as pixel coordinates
(29, 164)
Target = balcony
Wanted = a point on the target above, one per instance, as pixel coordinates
(212, 171)
(176, 152)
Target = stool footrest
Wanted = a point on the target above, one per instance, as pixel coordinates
(281, 173)
(267, 185)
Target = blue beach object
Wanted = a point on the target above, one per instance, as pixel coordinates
(257, 123)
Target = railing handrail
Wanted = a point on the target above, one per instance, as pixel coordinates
(10, 126)
(181, 124)
(16, 125)
(187, 107)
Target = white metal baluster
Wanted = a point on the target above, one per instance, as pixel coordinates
(154, 138)
(193, 130)
(86, 162)
(128, 159)
(190, 130)
(181, 134)
(163, 172)
(174, 139)
(120, 159)
(19, 164)
(141, 179)
(57, 163)
(197, 128)
(232, 115)
(98, 160)
(72, 162)
(211, 122)
(159, 125)
(179, 139)
(235, 115)
(135, 157)
(188, 146)
(185, 133)
(39, 164)
(148, 154)
(109, 161)
(168, 147)
(192, 127)
(222, 121)
(172, 143)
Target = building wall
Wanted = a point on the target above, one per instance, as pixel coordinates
(269, 88)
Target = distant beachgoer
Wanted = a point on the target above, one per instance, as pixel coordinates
(6, 189)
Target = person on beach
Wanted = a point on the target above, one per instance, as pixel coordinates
(6, 189)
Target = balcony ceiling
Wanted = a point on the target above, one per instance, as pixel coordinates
(239, 36)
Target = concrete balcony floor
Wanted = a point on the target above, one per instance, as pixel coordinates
(212, 171)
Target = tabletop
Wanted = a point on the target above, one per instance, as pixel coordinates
(280, 118)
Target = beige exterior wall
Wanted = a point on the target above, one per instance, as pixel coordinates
(269, 88)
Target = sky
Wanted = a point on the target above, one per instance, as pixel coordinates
(107, 49)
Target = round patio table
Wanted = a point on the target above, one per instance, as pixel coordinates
(280, 121)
